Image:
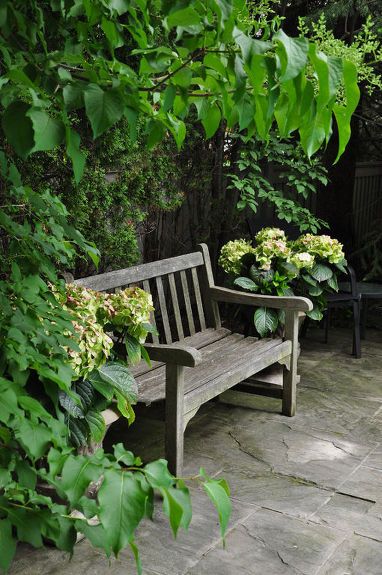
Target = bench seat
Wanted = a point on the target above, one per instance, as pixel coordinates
(225, 362)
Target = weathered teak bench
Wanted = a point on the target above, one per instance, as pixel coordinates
(194, 358)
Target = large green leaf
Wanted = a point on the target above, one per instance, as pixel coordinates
(342, 113)
(177, 506)
(122, 502)
(75, 154)
(103, 108)
(294, 55)
(97, 425)
(48, 132)
(78, 472)
(119, 377)
(265, 320)
(246, 283)
(18, 128)
(320, 272)
(35, 437)
(211, 121)
(7, 544)
(217, 491)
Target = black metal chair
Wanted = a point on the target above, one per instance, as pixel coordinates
(347, 296)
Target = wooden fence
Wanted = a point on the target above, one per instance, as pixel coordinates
(367, 200)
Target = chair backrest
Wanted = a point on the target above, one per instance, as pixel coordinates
(180, 290)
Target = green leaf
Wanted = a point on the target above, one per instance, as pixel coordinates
(18, 128)
(294, 56)
(103, 108)
(97, 425)
(315, 291)
(315, 314)
(73, 150)
(34, 437)
(320, 272)
(7, 544)
(77, 474)
(95, 534)
(184, 17)
(118, 376)
(69, 404)
(48, 132)
(26, 475)
(265, 320)
(246, 283)
(211, 121)
(343, 114)
(333, 282)
(217, 492)
(112, 34)
(175, 506)
(122, 502)
(158, 475)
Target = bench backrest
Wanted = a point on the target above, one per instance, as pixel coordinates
(180, 290)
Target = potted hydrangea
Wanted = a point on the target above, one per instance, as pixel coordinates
(274, 265)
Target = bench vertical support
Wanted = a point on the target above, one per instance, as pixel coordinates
(174, 418)
(206, 282)
(290, 375)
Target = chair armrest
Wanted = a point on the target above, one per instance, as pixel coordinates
(278, 302)
(176, 354)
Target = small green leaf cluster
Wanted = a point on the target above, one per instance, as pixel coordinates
(298, 178)
(275, 266)
(365, 52)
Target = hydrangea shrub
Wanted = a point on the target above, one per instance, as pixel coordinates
(273, 265)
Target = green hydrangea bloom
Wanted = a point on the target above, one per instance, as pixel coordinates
(270, 234)
(302, 260)
(128, 310)
(269, 250)
(324, 247)
(231, 255)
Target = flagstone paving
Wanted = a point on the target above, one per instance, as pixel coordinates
(306, 491)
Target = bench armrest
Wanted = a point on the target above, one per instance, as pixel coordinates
(278, 302)
(176, 354)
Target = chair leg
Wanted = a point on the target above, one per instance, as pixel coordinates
(327, 324)
(290, 375)
(357, 329)
(364, 306)
(174, 418)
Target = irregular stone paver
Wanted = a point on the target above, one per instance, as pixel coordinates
(306, 491)
(356, 556)
(269, 543)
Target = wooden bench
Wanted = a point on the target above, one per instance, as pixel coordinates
(194, 358)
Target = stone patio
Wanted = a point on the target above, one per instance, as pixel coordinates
(306, 491)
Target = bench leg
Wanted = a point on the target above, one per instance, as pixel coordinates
(174, 418)
(290, 375)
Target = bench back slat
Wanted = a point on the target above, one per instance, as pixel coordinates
(198, 297)
(154, 336)
(136, 274)
(163, 309)
(187, 301)
(175, 305)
